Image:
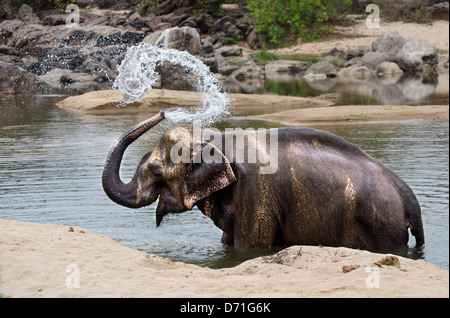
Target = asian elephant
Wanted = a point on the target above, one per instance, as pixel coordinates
(325, 191)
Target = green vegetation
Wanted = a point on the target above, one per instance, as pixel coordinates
(146, 6)
(265, 57)
(306, 19)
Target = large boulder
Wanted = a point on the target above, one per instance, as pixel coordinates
(14, 79)
(389, 43)
(417, 55)
(182, 39)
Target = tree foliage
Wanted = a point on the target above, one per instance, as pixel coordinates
(305, 18)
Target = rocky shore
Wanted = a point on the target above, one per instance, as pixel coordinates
(49, 53)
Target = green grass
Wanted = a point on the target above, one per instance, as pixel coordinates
(266, 57)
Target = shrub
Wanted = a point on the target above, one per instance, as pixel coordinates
(304, 18)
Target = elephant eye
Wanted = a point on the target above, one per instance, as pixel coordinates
(155, 169)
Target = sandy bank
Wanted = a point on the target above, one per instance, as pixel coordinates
(357, 113)
(345, 37)
(111, 102)
(45, 260)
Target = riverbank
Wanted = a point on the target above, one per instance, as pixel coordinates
(111, 102)
(287, 109)
(357, 113)
(48, 260)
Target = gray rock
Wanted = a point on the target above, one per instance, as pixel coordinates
(250, 70)
(417, 55)
(357, 52)
(388, 68)
(389, 43)
(230, 51)
(15, 80)
(255, 40)
(356, 73)
(63, 79)
(287, 66)
(324, 68)
(182, 39)
(439, 11)
(373, 59)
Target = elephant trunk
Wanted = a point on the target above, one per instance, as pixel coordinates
(117, 191)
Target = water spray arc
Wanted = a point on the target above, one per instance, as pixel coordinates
(137, 74)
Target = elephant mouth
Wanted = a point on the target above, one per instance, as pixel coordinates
(167, 205)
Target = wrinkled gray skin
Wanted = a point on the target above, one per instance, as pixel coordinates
(326, 191)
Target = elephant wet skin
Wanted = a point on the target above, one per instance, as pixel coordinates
(325, 190)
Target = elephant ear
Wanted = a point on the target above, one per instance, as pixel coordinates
(208, 177)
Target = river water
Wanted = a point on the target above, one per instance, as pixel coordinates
(51, 162)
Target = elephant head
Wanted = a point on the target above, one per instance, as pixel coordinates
(180, 184)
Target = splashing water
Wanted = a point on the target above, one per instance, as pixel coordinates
(137, 75)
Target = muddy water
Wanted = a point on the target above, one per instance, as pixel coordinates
(51, 163)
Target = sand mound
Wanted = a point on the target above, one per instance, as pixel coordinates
(61, 261)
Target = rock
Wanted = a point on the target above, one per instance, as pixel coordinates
(132, 37)
(230, 51)
(388, 68)
(153, 37)
(212, 64)
(221, 24)
(250, 70)
(205, 22)
(208, 48)
(182, 39)
(249, 78)
(7, 28)
(389, 43)
(439, 11)
(16, 80)
(57, 19)
(227, 70)
(287, 66)
(63, 79)
(255, 40)
(98, 68)
(27, 15)
(189, 22)
(13, 59)
(443, 64)
(324, 68)
(357, 52)
(373, 59)
(111, 39)
(7, 50)
(26, 38)
(356, 73)
(417, 55)
(165, 7)
(315, 76)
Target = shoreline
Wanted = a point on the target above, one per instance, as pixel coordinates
(46, 260)
(294, 110)
(356, 113)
